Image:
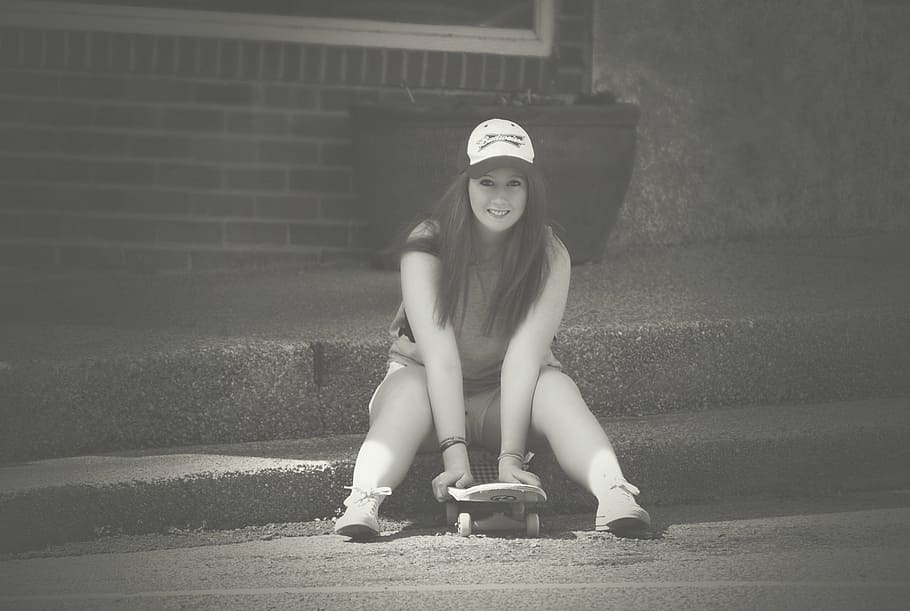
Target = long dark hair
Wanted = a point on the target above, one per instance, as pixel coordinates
(453, 240)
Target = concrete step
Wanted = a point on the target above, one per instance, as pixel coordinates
(675, 457)
(94, 363)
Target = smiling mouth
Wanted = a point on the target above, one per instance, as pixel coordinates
(497, 213)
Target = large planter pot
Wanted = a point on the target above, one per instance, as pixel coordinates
(405, 156)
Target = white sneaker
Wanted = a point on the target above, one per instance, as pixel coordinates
(361, 519)
(619, 512)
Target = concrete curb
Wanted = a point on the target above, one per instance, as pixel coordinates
(247, 390)
(103, 362)
(675, 457)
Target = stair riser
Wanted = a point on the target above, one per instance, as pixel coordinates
(266, 391)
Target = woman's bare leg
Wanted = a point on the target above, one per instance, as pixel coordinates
(400, 424)
(583, 450)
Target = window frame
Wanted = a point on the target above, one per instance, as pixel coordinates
(536, 42)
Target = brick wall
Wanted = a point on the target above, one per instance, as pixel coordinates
(167, 153)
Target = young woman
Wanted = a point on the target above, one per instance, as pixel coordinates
(484, 284)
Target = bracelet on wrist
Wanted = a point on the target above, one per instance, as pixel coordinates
(448, 442)
(515, 455)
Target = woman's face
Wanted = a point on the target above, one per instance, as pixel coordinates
(498, 200)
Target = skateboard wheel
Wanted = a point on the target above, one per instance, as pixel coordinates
(532, 525)
(464, 524)
(451, 513)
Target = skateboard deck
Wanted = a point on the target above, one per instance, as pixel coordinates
(498, 492)
(495, 506)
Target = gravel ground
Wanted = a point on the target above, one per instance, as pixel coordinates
(553, 526)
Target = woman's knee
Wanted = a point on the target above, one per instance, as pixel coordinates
(555, 395)
(404, 390)
(553, 387)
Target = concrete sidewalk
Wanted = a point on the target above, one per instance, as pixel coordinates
(680, 457)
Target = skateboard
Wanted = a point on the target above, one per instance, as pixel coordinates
(495, 506)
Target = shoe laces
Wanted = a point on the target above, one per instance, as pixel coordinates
(626, 488)
(366, 498)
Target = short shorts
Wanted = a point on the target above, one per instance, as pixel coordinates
(476, 406)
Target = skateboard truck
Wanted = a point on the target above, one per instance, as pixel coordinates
(495, 506)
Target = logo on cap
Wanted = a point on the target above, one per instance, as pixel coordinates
(516, 140)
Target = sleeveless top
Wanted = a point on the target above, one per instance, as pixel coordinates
(481, 355)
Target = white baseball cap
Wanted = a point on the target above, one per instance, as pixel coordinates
(497, 143)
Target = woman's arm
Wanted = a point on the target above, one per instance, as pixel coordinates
(526, 353)
(419, 282)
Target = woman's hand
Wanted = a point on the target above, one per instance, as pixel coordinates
(511, 471)
(458, 477)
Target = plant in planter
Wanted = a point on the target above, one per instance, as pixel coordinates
(406, 154)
